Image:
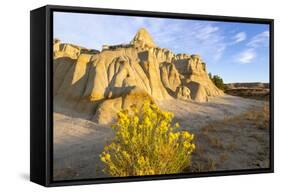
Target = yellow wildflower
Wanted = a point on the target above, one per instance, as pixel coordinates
(107, 157)
(144, 141)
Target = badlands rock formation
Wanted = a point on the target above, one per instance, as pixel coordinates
(101, 83)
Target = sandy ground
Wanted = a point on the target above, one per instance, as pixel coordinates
(193, 114)
(77, 145)
(227, 136)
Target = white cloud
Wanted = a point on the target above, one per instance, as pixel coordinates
(247, 56)
(180, 36)
(190, 37)
(205, 33)
(219, 51)
(261, 39)
(239, 37)
(209, 38)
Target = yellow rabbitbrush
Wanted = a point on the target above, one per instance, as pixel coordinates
(145, 143)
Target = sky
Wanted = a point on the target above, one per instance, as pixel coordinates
(238, 52)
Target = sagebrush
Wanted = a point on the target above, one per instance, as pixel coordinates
(146, 143)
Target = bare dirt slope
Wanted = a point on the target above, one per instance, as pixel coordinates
(228, 133)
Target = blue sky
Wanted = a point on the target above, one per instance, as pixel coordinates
(238, 52)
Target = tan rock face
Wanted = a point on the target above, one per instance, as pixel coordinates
(194, 75)
(69, 50)
(100, 84)
(107, 110)
(143, 39)
(170, 76)
(183, 93)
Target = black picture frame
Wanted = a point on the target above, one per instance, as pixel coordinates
(41, 104)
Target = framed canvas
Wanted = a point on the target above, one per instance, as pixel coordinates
(123, 95)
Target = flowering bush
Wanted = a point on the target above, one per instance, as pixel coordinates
(146, 143)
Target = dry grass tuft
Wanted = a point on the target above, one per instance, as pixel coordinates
(260, 118)
(219, 142)
(223, 157)
(205, 165)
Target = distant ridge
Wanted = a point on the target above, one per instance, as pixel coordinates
(248, 85)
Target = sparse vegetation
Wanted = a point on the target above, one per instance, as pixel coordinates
(217, 144)
(204, 165)
(251, 93)
(223, 157)
(231, 146)
(260, 118)
(218, 81)
(146, 143)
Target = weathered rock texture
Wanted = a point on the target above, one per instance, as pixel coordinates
(101, 83)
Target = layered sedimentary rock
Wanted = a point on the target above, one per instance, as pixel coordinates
(101, 83)
(70, 50)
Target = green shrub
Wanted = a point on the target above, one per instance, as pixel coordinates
(218, 81)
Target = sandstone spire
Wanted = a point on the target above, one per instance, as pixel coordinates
(99, 84)
(143, 39)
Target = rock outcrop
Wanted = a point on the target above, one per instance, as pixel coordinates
(143, 39)
(182, 92)
(70, 50)
(101, 83)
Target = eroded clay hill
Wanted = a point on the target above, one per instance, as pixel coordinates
(101, 83)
